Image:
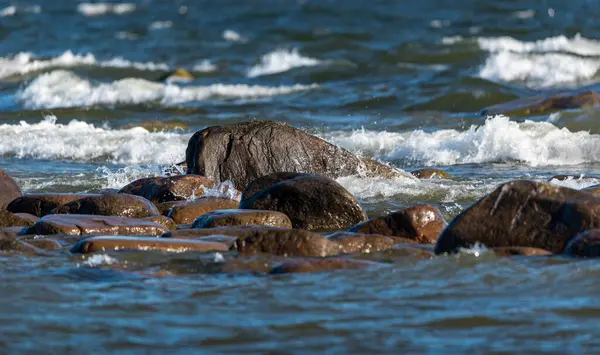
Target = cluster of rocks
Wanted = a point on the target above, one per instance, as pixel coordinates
(291, 208)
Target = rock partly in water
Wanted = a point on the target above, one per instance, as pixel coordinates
(92, 224)
(522, 214)
(8, 219)
(311, 202)
(178, 75)
(121, 243)
(522, 251)
(10, 243)
(585, 245)
(264, 182)
(41, 204)
(319, 265)
(9, 189)
(122, 205)
(545, 103)
(162, 220)
(235, 217)
(165, 207)
(431, 174)
(353, 243)
(43, 243)
(172, 188)
(421, 223)
(188, 212)
(247, 151)
(593, 190)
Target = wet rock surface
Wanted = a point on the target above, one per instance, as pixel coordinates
(319, 265)
(525, 214)
(92, 224)
(187, 213)
(8, 219)
(246, 151)
(352, 243)
(523, 251)
(237, 217)
(171, 188)
(41, 204)
(162, 220)
(9, 189)
(312, 202)
(421, 223)
(431, 174)
(585, 245)
(119, 243)
(165, 207)
(122, 205)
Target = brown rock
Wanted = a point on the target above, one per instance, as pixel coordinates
(122, 205)
(162, 220)
(8, 219)
(422, 223)
(222, 218)
(165, 207)
(319, 265)
(91, 224)
(574, 177)
(43, 203)
(352, 243)
(311, 202)
(592, 190)
(223, 239)
(10, 243)
(28, 217)
(522, 214)
(188, 212)
(9, 189)
(284, 242)
(586, 244)
(246, 151)
(96, 244)
(264, 182)
(431, 174)
(43, 243)
(545, 103)
(525, 251)
(171, 188)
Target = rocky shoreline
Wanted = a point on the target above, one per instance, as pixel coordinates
(291, 211)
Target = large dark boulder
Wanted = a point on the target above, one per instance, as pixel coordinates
(170, 188)
(122, 205)
(42, 204)
(9, 189)
(586, 244)
(523, 214)
(246, 151)
(311, 202)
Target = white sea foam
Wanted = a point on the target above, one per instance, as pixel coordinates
(103, 8)
(65, 89)
(81, 141)
(452, 40)
(232, 36)
(524, 15)
(204, 66)
(159, 25)
(281, 60)
(553, 61)
(498, 139)
(577, 183)
(100, 259)
(8, 11)
(25, 62)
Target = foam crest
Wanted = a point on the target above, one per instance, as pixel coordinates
(103, 8)
(497, 140)
(279, 61)
(159, 25)
(8, 11)
(554, 61)
(81, 141)
(204, 66)
(576, 182)
(232, 36)
(64, 89)
(25, 62)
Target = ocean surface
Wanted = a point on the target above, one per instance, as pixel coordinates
(83, 108)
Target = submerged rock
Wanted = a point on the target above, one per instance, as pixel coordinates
(311, 202)
(91, 224)
(421, 223)
(431, 174)
(545, 103)
(172, 188)
(246, 151)
(122, 205)
(9, 189)
(187, 213)
(235, 217)
(586, 244)
(114, 243)
(522, 214)
(10, 243)
(41, 204)
(523, 251)
(319, 265)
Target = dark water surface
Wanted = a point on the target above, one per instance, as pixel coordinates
(82, 109)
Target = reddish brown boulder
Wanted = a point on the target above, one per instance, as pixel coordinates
(222, 218)
(171, 188)
(9, 189)
(43, 203)
(421, 223)
(522, 214)
(585, 245)
(187, 213)
(165, 207)
(319, 265)
(91, 224)
(96, 244)
(311, 202)
(352, 243)
(122, 205)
